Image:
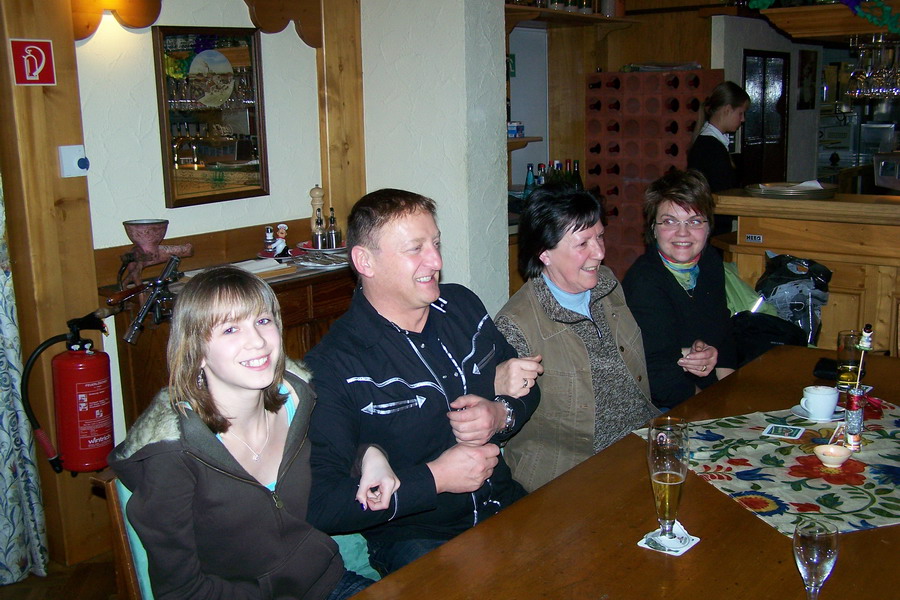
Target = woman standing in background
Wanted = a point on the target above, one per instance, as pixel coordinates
(724, 111)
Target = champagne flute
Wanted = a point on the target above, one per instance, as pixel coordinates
(815, 550)
(667, 460)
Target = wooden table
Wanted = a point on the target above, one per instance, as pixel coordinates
(577, 536)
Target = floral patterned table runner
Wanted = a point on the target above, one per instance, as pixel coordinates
(780, 480)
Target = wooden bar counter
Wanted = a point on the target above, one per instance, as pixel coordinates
(856, 236)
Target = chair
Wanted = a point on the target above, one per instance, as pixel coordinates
(132, 578)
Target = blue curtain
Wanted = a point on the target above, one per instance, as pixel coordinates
(23, 535)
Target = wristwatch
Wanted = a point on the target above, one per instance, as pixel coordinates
(510, 421)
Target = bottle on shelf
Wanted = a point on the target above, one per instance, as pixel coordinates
(614, 83)
(595, 86)
(598, 105)
(585, 7)
(672, 127)
(615, 105)
(595, 149)
(595, 170)
(576, 176)
(693, 81)
(318, 232)
(693, 104)
(672, 105)
(613, 191)
(672, 81)
(333, 236)
(540, 177)
(529, 182)
(613, 148)
(568, 173)
(613, 170)
(672, 149)
(613, 126)
(571, 6)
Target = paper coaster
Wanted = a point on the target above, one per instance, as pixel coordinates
(681, 543)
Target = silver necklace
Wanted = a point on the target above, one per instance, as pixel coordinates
(252, 451)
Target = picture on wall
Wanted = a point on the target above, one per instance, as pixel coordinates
(211, 119)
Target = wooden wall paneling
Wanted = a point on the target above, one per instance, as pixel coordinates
(881, 308)
(515, 280)
(571, 55)
(666, 37)
(49, 232)
(341, 134)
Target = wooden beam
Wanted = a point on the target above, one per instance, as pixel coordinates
(341, 132)
(50, 244)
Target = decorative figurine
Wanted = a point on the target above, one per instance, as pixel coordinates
(866, 342)
(279, 247)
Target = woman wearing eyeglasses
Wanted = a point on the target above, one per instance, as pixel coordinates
(676, 291)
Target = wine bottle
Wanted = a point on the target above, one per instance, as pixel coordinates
(673, 150)
(672, 127)
(595, 149)
(529, 182)
(595, 170)
(596, 105)
(613, 170)
(614, 83)
(576, 176)
(613, 126)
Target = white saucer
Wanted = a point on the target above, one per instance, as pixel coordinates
(799, 411)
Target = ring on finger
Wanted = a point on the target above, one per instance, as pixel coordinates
(703, 368)
(524, 383)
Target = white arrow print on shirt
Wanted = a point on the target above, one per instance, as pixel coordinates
(393, 407)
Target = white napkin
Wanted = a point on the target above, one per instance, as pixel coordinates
(681, 543)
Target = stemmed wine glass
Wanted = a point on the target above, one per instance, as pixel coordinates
(667, 460)
(815, 550)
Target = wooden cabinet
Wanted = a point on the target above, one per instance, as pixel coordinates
(854, 236)
(309, 305)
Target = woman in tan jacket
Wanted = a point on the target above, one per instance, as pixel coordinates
(571, 312)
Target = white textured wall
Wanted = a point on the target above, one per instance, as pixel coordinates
(121, 128)
(434, 86)
(730, 36)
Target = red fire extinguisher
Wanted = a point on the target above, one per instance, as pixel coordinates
(82, 400)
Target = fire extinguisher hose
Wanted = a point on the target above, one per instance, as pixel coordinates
(39, 434)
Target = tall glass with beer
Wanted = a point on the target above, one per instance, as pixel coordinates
(848, 357)
(667, 459)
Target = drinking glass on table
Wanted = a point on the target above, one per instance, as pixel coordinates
(815, 550)
(667, 460)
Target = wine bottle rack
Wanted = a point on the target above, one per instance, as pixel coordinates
(637, 127)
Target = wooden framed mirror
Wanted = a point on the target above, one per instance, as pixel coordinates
(211, 118)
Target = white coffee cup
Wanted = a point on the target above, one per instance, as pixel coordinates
(819, 401)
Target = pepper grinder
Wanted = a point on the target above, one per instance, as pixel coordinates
(317, 200)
